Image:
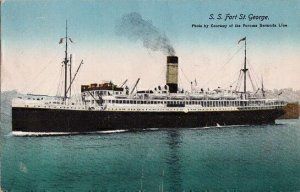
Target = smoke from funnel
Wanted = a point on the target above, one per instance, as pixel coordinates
(134, 27)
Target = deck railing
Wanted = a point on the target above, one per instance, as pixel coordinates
(154, 103)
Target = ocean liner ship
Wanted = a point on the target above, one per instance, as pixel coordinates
(107, 107)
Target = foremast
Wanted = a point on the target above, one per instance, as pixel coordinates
(66, 62)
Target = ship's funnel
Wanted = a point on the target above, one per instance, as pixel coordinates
(172, 73)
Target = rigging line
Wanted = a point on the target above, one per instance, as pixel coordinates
(231, 84)
(55, 82)
(60, 83)
(180, 81)
(237, 74)
(75, 91)
(253, 86)
(223, 65)
(254, 75)
(61, 87)
(184, 74)
(43, 69)
(238, 80)
(253, 71)
(58, 87)
(237, 87)
(38, 85)
(51, 88)
(255, 80)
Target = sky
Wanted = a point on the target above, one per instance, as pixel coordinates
(32, 56)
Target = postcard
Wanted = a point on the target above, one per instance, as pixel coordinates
(156, 95)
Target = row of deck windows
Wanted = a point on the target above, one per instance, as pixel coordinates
(178, 109)
(202, 103)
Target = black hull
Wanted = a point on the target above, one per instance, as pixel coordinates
(54, 120)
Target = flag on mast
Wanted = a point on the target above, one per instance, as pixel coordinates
(243, 39)
(61, 40)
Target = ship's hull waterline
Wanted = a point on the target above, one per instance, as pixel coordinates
(50, 120)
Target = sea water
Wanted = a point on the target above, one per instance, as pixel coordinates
(239, 158)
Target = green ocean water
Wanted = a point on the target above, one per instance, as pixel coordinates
(245, 158)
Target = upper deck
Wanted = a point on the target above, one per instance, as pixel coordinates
(109, 97)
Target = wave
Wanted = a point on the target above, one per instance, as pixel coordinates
(110, 131)
(220, 126)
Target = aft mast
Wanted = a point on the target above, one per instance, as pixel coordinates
(245, 67)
